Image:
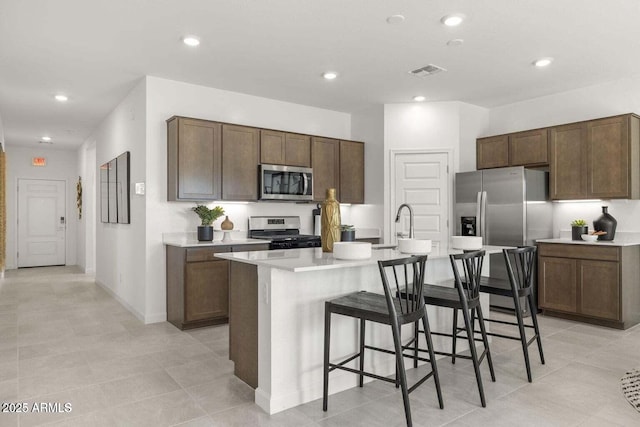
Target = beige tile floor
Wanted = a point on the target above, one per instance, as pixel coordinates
(63, 339)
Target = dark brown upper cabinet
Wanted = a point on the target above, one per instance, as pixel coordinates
(351, 172)
(530, 148)
(492, 152)
(194, 159)
(596, 159)
(282, 148)
(241, 154)
(325, 160)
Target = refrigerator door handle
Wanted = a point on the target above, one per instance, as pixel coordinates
(479, 230)
(483, 217)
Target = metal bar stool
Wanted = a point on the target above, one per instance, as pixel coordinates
(401, 304)
(520, 265)
(465, 296)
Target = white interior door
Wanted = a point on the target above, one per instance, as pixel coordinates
(41, 222)
(421, 179)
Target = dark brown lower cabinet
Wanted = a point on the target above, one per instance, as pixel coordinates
(198, 284)
(592, 283)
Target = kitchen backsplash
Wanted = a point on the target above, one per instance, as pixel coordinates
(626, 212)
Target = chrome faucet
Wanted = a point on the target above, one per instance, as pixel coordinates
(404, 205)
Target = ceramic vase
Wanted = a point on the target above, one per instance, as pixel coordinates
(348, 235)
(330, 221)
(205, 233)
(606, 223)
(226, 224)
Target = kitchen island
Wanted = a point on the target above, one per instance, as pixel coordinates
(276, 319)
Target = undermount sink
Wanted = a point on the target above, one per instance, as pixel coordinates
(352, 250)
(414, 246)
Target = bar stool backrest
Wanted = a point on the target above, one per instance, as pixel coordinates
(469, 285)
(520, 264)
(402, 280)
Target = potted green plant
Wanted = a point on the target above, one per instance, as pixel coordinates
(578, 227)
(207, 216)
(347, 233)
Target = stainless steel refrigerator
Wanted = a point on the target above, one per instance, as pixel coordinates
(507, 207)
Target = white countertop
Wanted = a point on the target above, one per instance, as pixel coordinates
(192, 242)
(313, 259)
(618, 241)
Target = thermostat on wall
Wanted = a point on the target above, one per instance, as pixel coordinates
(140, 188)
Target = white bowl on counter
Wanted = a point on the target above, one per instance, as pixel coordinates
(589, 237)
(466, 243)
(352, 250)
(414, 246)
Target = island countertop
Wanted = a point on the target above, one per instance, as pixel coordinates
(313, 259)
(618, 241)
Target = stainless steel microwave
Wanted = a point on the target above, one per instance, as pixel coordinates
(285, 183)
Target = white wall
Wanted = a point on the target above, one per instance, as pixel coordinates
(618, 97)
(120, 248)
(61, 165)
(368, 126)
(431, 126)
(87, 224)
(166, 98)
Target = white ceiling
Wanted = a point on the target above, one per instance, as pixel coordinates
(96, 51)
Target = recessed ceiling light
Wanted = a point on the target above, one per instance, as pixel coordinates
(60, 97)
(192, 41)
(419, 98)
(452, 20)
(542, 62)
(46, 138)
(395, 19)
(330, 75)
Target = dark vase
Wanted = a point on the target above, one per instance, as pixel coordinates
(205, 233)
(576, 232)
(347, 235)
(606, 223)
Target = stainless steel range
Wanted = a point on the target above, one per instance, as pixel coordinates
(283, 231)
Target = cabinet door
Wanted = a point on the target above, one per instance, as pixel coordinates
(206, 290)
(557, 284)
(492, 152)
(272, 145)
(241, 154)
(193, 160)
(600, 289)
(325, 160)
(297, 150)
(351, 172)
(567, 175)
(608, 158)
(529, 148)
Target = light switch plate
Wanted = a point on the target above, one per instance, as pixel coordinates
(140, 188)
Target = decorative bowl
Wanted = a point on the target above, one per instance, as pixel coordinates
(414, 246)
(352, 250)
(589, 237)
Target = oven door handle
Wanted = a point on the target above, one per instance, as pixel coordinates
(305, 187)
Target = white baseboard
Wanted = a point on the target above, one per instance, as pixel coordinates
(155, 318)
(125, 304)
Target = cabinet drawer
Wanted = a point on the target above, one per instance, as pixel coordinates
(206, 254)
(251, 247)
(579, 251)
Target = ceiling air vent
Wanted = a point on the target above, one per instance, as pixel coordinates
(427, 71)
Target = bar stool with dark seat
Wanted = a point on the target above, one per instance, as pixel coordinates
(401, 304)
(464, 296)
(520, 265)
